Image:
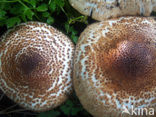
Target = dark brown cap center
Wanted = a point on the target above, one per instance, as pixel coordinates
(132, 59)
(29, 63)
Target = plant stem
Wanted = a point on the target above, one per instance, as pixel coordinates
(28, 8)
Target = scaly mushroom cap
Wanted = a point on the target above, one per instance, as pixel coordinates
(36, 66)
(104, 9)
(115, 66)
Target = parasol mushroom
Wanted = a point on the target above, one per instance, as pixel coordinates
(105, 9)
(115, 66)
(36, 66)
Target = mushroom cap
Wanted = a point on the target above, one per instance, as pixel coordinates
(115, 66)
(36, 66)
(105, 9)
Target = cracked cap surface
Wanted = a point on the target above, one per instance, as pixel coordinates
(105, 9)
(115, 66)
(36, 66)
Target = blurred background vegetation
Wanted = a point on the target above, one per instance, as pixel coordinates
(62, 16)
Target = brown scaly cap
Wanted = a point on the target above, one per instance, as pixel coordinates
(36, 66)
(115, 66)
(105, 9)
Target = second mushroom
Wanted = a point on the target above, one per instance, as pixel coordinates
(115, 66)
(106, 9)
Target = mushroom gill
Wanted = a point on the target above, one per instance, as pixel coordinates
(36, 66)
(115, 66)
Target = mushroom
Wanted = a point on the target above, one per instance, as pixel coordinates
(36, 66)
(104, 9)
(115, 66)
